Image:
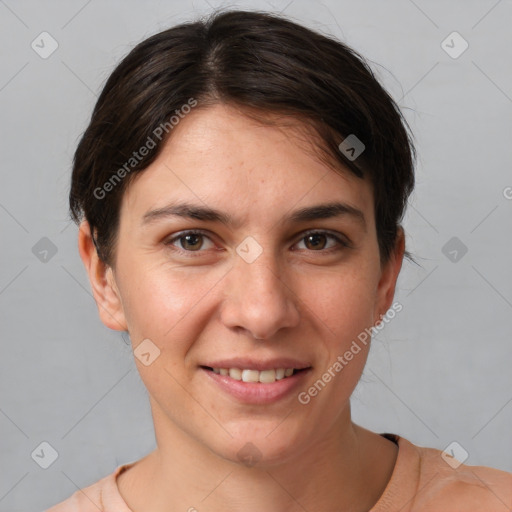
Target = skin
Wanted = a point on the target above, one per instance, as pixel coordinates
(297, 299)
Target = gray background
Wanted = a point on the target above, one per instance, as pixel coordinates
(439, 372)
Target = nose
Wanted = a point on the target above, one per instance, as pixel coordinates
(258, 300)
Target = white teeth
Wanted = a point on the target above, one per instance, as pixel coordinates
(235, 373)
(250, 375)
(247, 375)
(267, 376)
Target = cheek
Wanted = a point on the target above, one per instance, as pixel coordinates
(159, 303)
(343, 303)
(166, 306)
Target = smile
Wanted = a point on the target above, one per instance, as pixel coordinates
(258, 387)
(248, 375)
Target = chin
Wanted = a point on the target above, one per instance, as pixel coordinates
(261, 447)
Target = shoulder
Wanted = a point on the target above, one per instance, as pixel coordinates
(101, 496)
(88, 499)
(460, 487)
(84, 500)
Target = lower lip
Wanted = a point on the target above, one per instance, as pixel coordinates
(257, 392)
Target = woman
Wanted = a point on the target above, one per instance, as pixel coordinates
(240, 190)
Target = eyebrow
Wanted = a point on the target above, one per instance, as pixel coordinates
(203, 213)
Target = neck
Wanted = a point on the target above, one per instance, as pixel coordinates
(347, 469)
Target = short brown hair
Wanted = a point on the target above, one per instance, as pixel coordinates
(258, 61)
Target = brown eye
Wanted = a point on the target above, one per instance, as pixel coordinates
(315, 241)
(190, 241)
(321, 241)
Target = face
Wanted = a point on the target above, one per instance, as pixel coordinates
(273, 264)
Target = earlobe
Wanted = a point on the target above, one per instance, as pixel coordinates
(104, 289)
(389, 276)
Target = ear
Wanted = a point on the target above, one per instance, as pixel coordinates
(101, 277)
(389, 276)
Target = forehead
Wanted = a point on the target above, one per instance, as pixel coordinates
(226, 160)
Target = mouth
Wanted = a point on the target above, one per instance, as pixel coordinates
(251, 375)
(262, 386)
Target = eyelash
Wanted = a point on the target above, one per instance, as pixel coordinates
(342, 243)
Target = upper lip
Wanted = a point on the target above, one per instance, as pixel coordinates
(253, 364)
